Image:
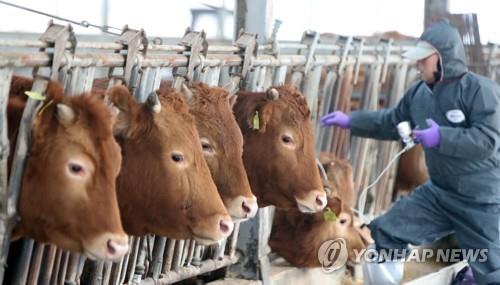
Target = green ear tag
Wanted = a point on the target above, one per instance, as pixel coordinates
(35, 95)
(329, 215)
(255, 121)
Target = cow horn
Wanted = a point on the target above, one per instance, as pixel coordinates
(153, 102)
(65, 114)
(272, 94)
(188, 94)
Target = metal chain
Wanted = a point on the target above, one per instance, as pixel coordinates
(84, 23)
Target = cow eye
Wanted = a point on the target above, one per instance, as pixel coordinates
(75, 168)
(177, 158)
(206, 146)
(286, 139)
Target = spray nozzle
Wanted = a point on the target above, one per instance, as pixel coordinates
(404, 130)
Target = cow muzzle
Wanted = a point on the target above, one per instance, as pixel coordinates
(313, 202)
(242, 208)
(107, 246)
(213, 229)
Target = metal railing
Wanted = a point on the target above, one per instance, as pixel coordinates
(327, 74)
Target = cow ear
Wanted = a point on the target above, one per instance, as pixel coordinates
(65, 114)
(111, 107)
(153, 102)
(260, 118)
(119, 96)
(118, 99)
(335, 204)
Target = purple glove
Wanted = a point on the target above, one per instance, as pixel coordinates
(429, 137)
(337, 118)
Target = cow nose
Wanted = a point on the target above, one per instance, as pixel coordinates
(107, 246)
(312, 201)
(117, 247)
(246, 209)
(321, 201)
(242, 207)
(226, 226)
(250, 206)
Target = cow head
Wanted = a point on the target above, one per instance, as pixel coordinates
(68, 195)
(298, 237)
(165, 185)
(222, 145)
(278, 149)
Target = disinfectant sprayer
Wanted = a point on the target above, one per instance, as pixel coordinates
(404, 130)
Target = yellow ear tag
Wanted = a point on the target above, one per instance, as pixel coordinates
(328, 215)
(255, 121)
(35, 95)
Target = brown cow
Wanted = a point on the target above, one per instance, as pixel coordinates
(222, 144)
(68, 194)
(278, 149)
(165, 186)
(412, 170)
(297, 237)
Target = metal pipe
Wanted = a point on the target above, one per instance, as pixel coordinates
(30, 59)
(107, 272)
(64, 266)
(191, 253)
(141, 259)
(57, 265)
(186, 272)
(36, 263)
(20, 272)
(48, 265)
(178, 255)
(169, 255)
(133, 259)
(73, 263)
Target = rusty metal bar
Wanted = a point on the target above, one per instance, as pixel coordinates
(389, 149)
(218, 249)
(129, 272)
(139, 269)
(5, 79)
(16, 43)
(191, 253)
(234, 239)
(81, 265)
(57, 267)
(30, 59)
(279, 75)
(20, 273)
(158, 250)
(107, 272)
(5, 228)
(186, 272)
(169, 255)
(36, 263)
(72, 270)
(185, 252)
(362, 146)
(197, 255)
(63, 268)
(178, 255)
(48, 265)
(120, 270)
